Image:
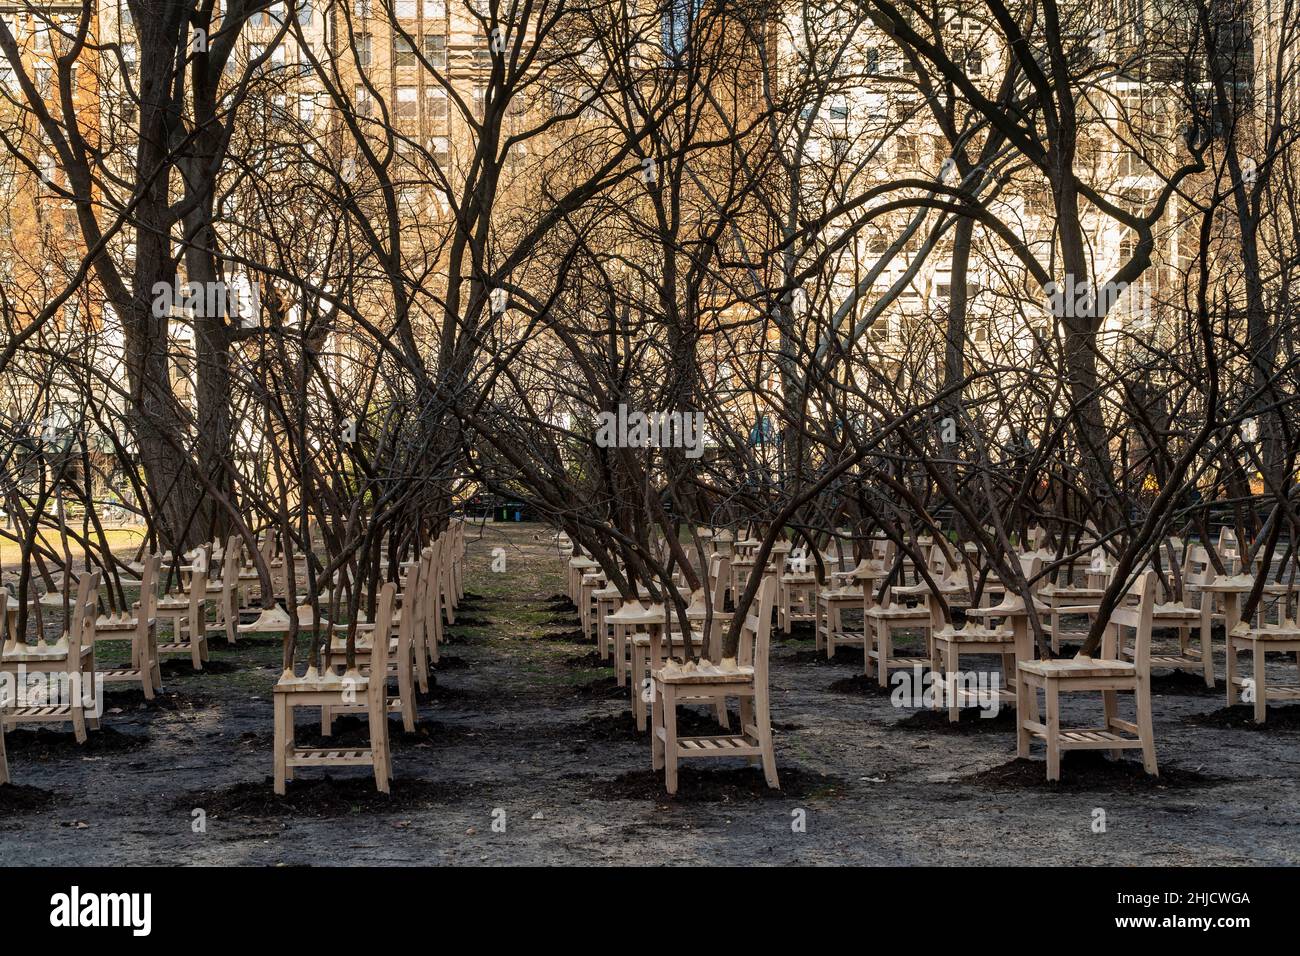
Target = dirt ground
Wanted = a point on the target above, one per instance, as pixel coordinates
(525, 729)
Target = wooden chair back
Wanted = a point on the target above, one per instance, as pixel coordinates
(432, 616)
(376, 689)
(198, 606)
(756, 633)
(445, 546)
(412, 598)
(1031, 566)
(81, 627)
(148, 592)
(1199, 569)
(230, 563)
(1139, 617)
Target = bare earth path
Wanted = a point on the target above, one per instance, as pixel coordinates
(525, 731)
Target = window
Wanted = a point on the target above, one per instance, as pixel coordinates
(439, 146)
(906, 152)
(902, 107)
(1130, 163)
(130, 55)
(435, 9)
(279, 110)
(307, 107)
(407, 104)
(404, 9)
(47, 168)
(435, 102)
(361, 8)
(67, 27)
(676, 26)
(403, 52)
(435, 50)
(364, 54)
(361, 100)
(304, 12)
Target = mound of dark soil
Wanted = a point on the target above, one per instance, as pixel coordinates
(450, 662)
(19, 798)
(602, 688)
(455, 636)
(971, 720)
(46, 744)
(861, 685)
(1242, 717)
(717, 785)
(463, 621)
(168, 700)
(564, 637)
(181, 667)
(799, 631)
(315, 797)
(590, 659)
(1184, 684)
(1088, 770)
(844, 657)
(352, 730)
(622, 726)
(439, 691)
